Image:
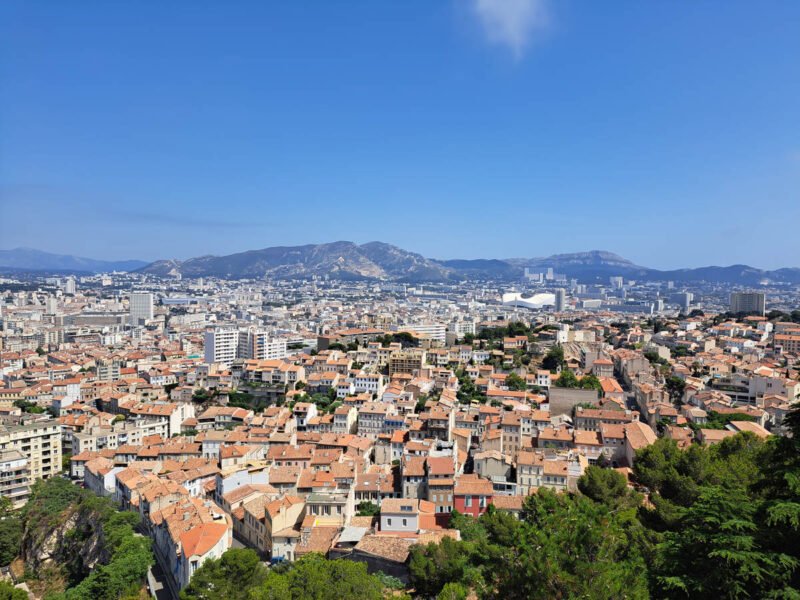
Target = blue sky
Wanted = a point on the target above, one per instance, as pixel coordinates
(666, 132)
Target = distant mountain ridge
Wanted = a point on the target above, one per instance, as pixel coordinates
(30, 259)
(381, 261)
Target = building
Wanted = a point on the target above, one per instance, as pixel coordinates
(222, 345)
(15, 480)
(141, 308)
(748, 302)
(257, 344)
(560, 302)
(69, 285)
(39, 442)
(406, 361)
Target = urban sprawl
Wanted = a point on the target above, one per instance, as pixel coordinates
(352, 418)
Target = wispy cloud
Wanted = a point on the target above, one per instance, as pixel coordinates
(512, 23)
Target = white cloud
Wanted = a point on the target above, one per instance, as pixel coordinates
(512, 23)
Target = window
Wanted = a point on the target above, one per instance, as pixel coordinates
(482, 502)
(389, 521)
(405, 522)
(468, 501)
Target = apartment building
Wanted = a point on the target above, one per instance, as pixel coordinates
(39, 442)
(15, 480)
(406, 361)
(222, 345)
(748, 302)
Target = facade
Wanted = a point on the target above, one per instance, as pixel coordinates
(15, 482)
(560, 302)
(141, 308)
(748, 302)
(39, 442)
(222, 345)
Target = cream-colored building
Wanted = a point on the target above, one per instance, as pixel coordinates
(39, 442)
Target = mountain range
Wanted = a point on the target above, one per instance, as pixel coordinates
(377, 260)
(29, 259)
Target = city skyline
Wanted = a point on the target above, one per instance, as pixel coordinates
(156, 132)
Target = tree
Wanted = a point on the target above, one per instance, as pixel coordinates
(606, 486)
(567, 547)
(554, 359)
(313, 577)
(435, 565)
(452, 591)
(675, 386)
(9, 592)
(10, 538)
(515, 382)
(567, 379)
(716, 553)
(368, 509)
(230, 577)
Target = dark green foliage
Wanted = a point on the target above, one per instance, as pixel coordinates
(603, 485)
(315, 578)
(554, 359)
(515, 382)
(714, 552)
(368, 509)
(10, 538)
(566, 546)
(241, 400)
(230, 577)
(9, 592)
(28, 407)
(130, 558)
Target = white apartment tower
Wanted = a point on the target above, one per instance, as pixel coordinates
(222, 344)
(69, 285)
(141, 307)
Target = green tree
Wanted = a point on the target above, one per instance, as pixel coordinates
(675, 386)
(568, 547)
(453, 591)
(10, 538)
(567, 379)
(313, 577)
(606, 486)
(9, 592)
(515, 382)
(716, 553)
(435, 565)
(554, 359)
(230, 577)
(368, 509)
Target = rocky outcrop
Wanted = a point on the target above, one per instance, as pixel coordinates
(73, 537)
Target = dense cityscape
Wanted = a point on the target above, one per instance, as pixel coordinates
(460, 300)
(356, 419)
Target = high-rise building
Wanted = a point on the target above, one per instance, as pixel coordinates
(683, 299)
(616, 282)
(69, 285)
(141, 307)
(560, 300)
(222, 344)
(749, 302)
(39, 442)
(51, 305)
(257, 344)
(15, 477)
